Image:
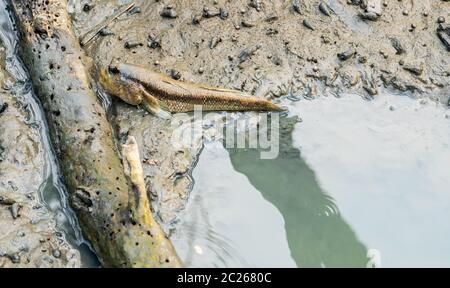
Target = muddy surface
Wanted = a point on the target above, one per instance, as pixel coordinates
(29, 233)
(166, 168)
(273, 50)
(281, 50)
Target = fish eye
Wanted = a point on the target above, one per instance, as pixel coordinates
(113, 69)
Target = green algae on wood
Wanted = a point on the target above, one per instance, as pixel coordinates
(82, 137)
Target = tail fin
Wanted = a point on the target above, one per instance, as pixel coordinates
(274, 107)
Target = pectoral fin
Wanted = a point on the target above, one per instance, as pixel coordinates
(155, 106)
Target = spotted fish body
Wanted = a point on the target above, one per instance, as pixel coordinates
(180, 96)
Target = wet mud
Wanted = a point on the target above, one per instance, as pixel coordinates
(279, 50)
(281, 47)
(29, 233)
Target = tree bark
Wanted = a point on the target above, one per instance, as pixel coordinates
(83, 140)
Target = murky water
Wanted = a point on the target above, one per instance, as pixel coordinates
(385, 163)
(52, 191)
(357, 183)
(226, 217)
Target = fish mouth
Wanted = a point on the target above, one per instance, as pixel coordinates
(113, 67)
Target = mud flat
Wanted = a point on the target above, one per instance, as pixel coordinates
(30, 235)
(281, 50)
(280, 47)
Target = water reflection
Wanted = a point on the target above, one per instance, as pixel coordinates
(385, 162)
(246, 212)
(317, 235)
(227, 222)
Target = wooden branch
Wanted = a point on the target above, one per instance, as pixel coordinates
(83, 138)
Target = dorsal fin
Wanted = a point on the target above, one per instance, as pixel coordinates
(219, 89)
(175, 84)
